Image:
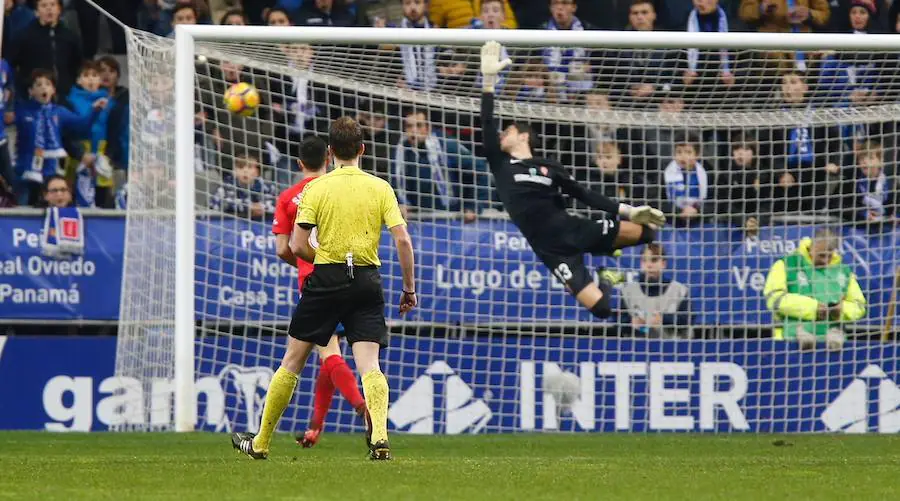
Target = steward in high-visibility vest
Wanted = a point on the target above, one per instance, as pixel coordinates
(811, 292)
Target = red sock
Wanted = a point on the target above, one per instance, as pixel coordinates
(324, 393)
(343, 379)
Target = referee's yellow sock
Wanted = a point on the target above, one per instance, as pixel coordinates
(375, 387)
(278, 396)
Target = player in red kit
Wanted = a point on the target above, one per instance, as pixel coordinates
(333, 372)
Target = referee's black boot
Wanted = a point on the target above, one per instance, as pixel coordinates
(363, 412)
(244, 443)
(380, 451)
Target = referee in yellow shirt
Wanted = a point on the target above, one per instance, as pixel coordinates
(347, 208)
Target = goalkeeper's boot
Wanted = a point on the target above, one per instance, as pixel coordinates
(309, 438)
(380, 451)
(610, 276)
(244, 443)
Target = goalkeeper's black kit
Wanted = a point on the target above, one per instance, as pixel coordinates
(532, 194)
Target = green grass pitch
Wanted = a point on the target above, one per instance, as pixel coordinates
(44, 466)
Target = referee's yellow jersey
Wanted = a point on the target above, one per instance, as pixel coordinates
(348, 208)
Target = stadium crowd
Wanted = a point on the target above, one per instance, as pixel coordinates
(67, 112)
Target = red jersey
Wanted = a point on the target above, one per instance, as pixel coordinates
(283, 222)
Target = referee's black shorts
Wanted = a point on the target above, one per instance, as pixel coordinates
(331, 297)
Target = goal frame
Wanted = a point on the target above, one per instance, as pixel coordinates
(186, 37)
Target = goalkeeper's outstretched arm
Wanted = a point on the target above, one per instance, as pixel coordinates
(491, 66)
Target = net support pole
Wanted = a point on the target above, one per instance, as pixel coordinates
(185, 396)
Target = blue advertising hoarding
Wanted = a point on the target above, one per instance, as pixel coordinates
(481, 272)
(483, 385)
(40, 288)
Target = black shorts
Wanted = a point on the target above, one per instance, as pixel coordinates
(577, 237)
(331, 297)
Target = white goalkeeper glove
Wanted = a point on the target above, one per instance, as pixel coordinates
(491, 65)
(643, 214)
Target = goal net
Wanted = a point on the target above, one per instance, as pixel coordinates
(751, 152)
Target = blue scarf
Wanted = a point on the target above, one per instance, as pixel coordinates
(874, 195)
(686, 188)
(408, 161)
(419, 67)
(63, 235)
(85, 187)
(48, 150)
(693, 25)
(532, 94)
(562, 61)
(800, 147)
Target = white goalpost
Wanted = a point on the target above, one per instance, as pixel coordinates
(497, 345)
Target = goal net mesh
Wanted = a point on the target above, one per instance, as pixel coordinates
(748, 155)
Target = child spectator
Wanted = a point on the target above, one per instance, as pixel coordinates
(610, 175)
(738, 195)
(493, 14)
(39, 142)
(244, 193)
(686, 181)
(94, 183)
(118, 129)
(535, 85)
(867, 193)
(46, 44)
(803, 154)
(655, 306)
(569, 66)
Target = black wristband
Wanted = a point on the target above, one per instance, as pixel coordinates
(409, 292)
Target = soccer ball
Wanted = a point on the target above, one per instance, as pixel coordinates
(242, 99)
(565, 387)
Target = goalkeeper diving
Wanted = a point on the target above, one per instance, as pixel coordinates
(531, 190)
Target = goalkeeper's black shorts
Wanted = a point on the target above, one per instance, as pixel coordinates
(572, 238)
(331, 296)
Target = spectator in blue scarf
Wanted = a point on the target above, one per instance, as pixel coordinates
(686, 182)
(569, 67)
(39, 142)
(244, 193)
(867, 191)
(437, 173)
(803, 154)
